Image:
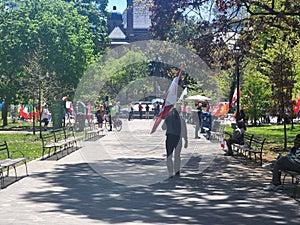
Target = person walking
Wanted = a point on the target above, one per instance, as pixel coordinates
(290, 162)
(175, 127)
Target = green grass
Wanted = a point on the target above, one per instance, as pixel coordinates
(17, 125)
(31, 145)
(274, 135)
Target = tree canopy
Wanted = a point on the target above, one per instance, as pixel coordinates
(56, 27)
(63, 33)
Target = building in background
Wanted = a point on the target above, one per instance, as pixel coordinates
(131, 25)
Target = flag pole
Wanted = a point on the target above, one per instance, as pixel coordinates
(169, 101)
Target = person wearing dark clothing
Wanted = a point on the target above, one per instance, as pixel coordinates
(157, 109)
(175, 127)
(108, 114)
(241, 116)
(141, 110)
(100, 116)
(197, 119)
(147, 111)
(130, 110)
(289, 162)
(237, 137)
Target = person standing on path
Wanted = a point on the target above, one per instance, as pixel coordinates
(107, 111)
(156, 109)
(45, 116)
(141, 110)
(100, 116)
(175, 127)
(197, 119)
(130, 112)
(147, 111)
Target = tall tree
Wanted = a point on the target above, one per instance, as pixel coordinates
(95, 11)
(282, 78)
(55, 26)
(256, 92)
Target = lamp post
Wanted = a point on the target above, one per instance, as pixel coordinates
(237, 51)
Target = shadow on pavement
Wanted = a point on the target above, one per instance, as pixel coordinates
(225, 193)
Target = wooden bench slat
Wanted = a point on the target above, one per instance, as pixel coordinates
(252, 145)
(93, 130)
(9, 161)
(58, 140)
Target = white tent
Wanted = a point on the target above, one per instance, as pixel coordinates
(199, 98)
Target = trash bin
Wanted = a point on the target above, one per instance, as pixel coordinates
(56, 114)
(80, 119)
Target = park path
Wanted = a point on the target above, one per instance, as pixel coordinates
(121, 179)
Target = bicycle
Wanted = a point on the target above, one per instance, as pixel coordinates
(115, 121)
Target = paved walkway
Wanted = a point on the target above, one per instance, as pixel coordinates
(121, 179)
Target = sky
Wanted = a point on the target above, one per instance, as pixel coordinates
(121, 5)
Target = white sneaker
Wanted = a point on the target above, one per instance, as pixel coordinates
(272, 187)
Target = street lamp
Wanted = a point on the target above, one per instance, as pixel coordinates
(237, 52)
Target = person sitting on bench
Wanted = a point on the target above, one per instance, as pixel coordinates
(289, 162)
(237, 137)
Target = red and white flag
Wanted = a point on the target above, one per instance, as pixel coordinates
(234, 97)
(169, 101)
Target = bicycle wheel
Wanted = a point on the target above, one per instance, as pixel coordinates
(106, 125)
(118, 125)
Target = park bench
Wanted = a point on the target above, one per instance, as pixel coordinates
(241, 149)
(71, 137)
(7, 160)
(93, 130)
(295, 180)
(58, 140)
(256, 148)
(217, 130)
(253, 145)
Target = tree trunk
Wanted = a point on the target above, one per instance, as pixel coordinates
(33, 123)
(4, 114)
(285, 135)
(40, 111)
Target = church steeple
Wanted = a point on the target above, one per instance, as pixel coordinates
(115, 20)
